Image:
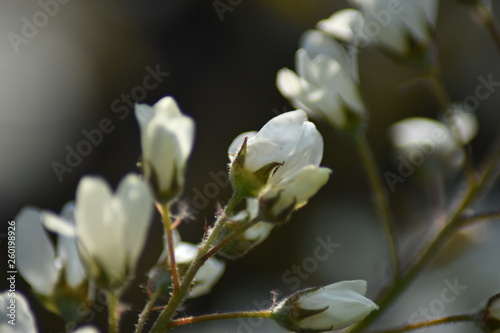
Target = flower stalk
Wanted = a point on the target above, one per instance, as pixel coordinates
(220, 316)
(167, 224)
(434, 322)
(163, 321)
(455, 221)
(382, 201)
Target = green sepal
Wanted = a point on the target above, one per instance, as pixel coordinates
(288, 314)
(245, 183)
(69, 303)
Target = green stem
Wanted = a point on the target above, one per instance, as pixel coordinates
(490, 23)
(220, 316)
(434, 322)
(455, 221)
(162, 323)
(167, 224)
(444, 101)
(382, 201)
(483, 217)
(147, 309)
(113, 311)
(231, 237)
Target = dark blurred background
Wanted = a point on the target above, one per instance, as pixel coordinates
(75, 70)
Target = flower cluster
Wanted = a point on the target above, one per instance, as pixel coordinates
(95, 243)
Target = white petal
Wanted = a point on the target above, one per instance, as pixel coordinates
(346, 305)
(58, 224)
(35, 252)
(144, 113)
(67, 250)
(235, 146)
(315, 43)
(100, 225)
(25, 321)
(464, 122)
(168, 107)
(259, 232)
(166, 145)
(343, 24)
(207, 277)
(296, 188)
(185, 252)
(208, 274)
(308, 151)
(275, 141)
(137, 202)
(161, 153)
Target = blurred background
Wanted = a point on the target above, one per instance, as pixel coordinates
(87, 63)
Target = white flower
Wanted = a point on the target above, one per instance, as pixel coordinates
(421, 137)
(112, 228)
(167, 138)
(325, 309)
(207, 276)
(325, 83)
(288, 139)
(15, 308)
(292, 192)
(392, 24)
(38, 262)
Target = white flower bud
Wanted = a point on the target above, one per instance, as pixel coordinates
(396, 26)
(422, 137)
(112, 228)
(288, 141)
(325, 83)
(329, 308)
(167, 139)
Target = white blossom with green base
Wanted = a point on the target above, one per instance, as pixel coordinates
(325, 83)
(285, 144)
(167, 138)
(329, 308)
(112, 228)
